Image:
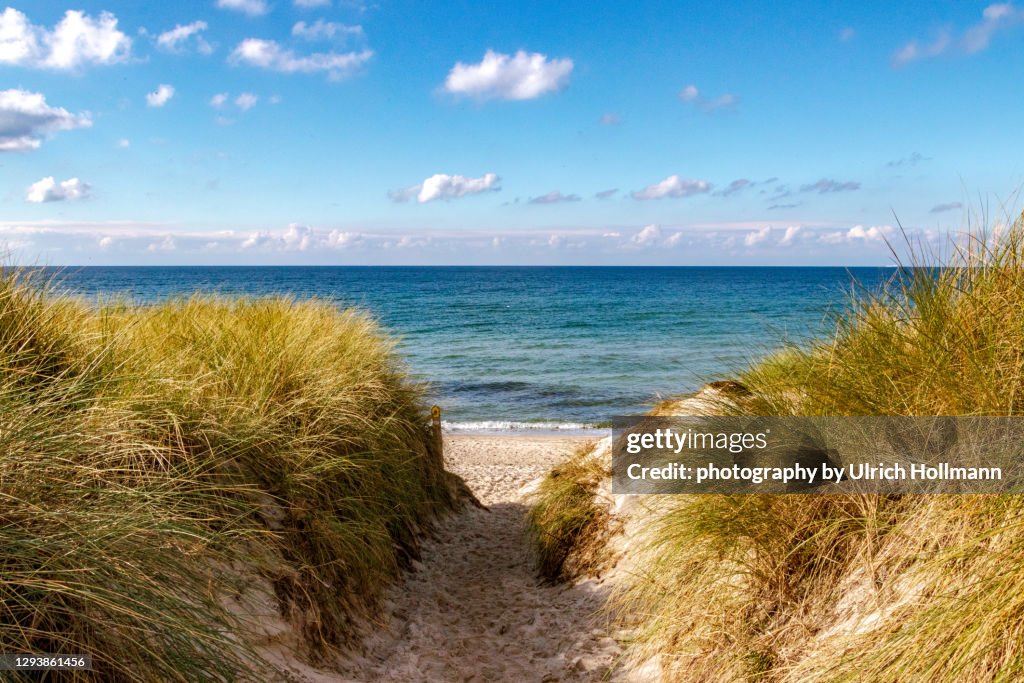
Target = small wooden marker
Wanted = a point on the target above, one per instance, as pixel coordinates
(435, 426)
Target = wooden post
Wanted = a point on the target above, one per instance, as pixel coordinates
(435, 427)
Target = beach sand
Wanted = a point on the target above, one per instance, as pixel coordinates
(473, 609)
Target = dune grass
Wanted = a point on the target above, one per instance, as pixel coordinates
(567, 527)
(855, 588)
(151, 455)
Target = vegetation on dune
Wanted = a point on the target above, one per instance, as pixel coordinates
(151, 456)
(850, 588)
(566, 525)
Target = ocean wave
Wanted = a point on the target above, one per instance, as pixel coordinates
(512, 426)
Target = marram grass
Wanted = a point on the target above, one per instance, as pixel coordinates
(859, 588)
(148, 452)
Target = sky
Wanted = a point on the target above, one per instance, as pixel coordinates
(350, 132)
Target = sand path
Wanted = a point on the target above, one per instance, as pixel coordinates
(473, 609)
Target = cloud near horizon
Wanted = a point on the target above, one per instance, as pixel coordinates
(443, 186)
(672, 187)
(26, 119)
(523, 76)
(554, 197)
(827, 185)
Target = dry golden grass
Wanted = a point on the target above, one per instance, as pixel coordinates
(145, 449)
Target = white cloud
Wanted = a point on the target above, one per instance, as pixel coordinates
(76, 40)
(975, 38)
(790, 235)
(341, 239)
(325, 30)
(175, 39)
(219, 100)
(672, 186)
(160, 96)
(25, 119)
(691, 95)
(873, 234)
(443, 186)
(246, 101)
(312, 4)
(268, 54)
(554, 197)
(647, 236)
(123, 143)
(166, 244)
(754, 238)
(49, 190)
(913, 50)
(253, 8)
(502, 77)
(106, 242)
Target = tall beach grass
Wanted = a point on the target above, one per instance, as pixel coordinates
(859, 588)
(151, 457)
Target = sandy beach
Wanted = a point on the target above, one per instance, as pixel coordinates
(474, 609)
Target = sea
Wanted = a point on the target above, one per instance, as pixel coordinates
(542, 349)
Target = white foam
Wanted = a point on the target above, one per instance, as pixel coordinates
(511, 426)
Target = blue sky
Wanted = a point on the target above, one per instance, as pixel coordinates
(340, 131)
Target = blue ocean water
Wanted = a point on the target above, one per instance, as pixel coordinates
(536, 347)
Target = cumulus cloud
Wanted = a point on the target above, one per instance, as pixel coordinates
(25, 119)
(975, 38)
(219, 100)
(827, 185)
(648, 235)
(752, 239)
(790, 235)
(605, 194)
(554, 197)
(443, 186)
(253, 8)
(325, 30)
(161, 96)
(175, 39)
(246, 101)
(49, 190)
(858, 234)
(268, 54)
(951, 206)
(76, 40)
(672, 186)
(166, 244)
(691, 95)
(523, 76)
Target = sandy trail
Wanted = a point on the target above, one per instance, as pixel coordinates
(473, 609)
